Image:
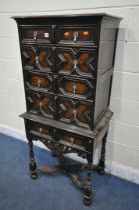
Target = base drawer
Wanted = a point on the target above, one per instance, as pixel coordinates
(71, 140)
(36, 129)
(56, 139)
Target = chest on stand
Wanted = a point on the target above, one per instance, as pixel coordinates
(67, 64)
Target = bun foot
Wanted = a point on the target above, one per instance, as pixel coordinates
(87, 197)
(34, 175)
(87, 202)
(101, 170)
(33, 171)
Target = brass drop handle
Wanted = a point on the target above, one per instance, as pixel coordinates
(74, 113)
(72, 140)
(75, 36)
(40, 104)
(74, 89)
(39, 83)
(75, 63)
(40, 129)
(37, 59)
(35, 34)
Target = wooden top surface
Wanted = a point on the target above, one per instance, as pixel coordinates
(70, 15)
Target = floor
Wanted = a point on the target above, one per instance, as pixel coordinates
(54, 192)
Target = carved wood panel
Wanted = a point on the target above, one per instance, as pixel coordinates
(75, 112)
(37, 58)
(76, 88)
(40, 103)
(37, 81)
(76, 61)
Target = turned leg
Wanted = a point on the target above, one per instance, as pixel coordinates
(101, 165)
(88, 184)
(32, 165)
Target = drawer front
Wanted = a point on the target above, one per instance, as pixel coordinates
(76, 61)
(76, 88)
(55, 138)
(76, 34)
(40, 103)
(75, 112)
(36, 81)
(34, 34)
(37, 58)
(40, 130)
(71, 140)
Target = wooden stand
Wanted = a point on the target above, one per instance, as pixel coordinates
(73, 170)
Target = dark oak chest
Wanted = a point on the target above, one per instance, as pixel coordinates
(67, 66)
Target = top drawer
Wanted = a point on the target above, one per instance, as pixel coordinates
(76, 34)
(34, 34)
(83, 35)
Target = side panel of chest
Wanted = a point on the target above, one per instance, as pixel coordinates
(108, 36)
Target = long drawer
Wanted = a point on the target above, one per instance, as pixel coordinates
(67, 110)
(59, 34)
(54, 137)
(61, 85)
(61, 60)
